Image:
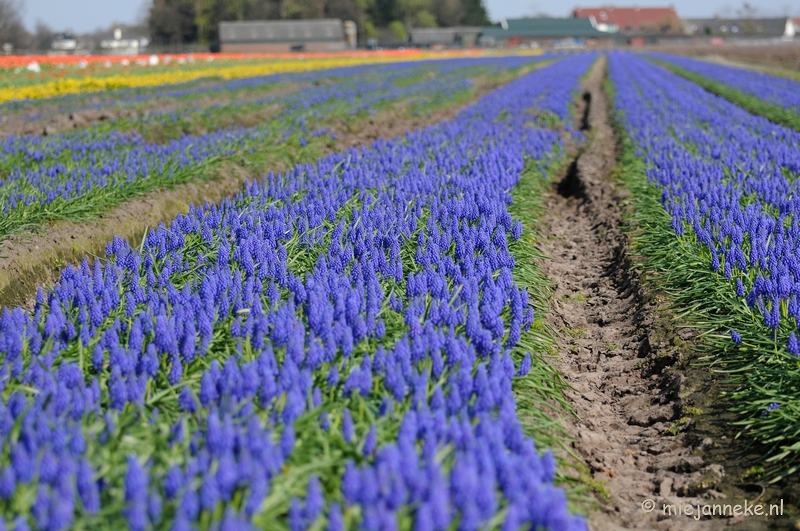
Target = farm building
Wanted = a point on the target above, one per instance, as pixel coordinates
(455, 36)
(742, 28)
(633, 20)
(513, 32)
(115, 44)
(276, 36)
(67, 43)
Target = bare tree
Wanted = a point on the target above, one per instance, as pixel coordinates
(42, 36)
(747, 11)
(11, 29)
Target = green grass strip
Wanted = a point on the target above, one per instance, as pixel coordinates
(541, 402)
(760, 371)
(774, 113)
(540, 394)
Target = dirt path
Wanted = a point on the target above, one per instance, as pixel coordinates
(617, 354)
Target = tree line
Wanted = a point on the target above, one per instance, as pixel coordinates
(183, 22)
(197, 21)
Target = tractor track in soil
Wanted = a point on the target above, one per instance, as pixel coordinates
(631, 384)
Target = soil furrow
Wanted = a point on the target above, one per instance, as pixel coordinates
(619, 353)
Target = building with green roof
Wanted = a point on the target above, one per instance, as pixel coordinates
(511, 32)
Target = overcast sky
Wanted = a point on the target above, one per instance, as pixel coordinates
(88, 15)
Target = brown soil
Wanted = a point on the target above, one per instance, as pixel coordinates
(625, 359)
(32, 259)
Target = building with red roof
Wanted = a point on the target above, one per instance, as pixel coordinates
(633, 20)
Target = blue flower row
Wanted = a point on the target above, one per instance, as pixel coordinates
(779, 91)
(335, 346)
(70, 166)
(729, 180)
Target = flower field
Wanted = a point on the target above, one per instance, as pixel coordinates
(71, 78)
(772, 89)
(51, 177)
(368, 333)
(727, 180)
(334, 347)
(773, 97)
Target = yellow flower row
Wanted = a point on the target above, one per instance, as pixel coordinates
(62, 86)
